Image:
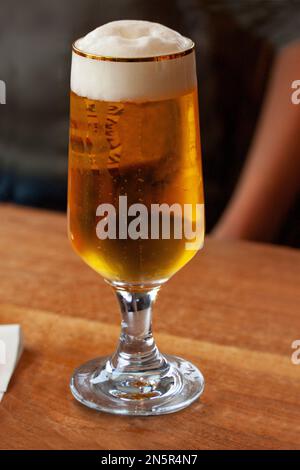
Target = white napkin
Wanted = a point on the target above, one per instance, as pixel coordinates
(11, 347)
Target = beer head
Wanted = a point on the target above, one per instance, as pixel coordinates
(133, 61)
(133, 39)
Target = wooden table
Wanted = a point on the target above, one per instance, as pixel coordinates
(234, 311)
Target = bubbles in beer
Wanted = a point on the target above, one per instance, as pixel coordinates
(134, 133)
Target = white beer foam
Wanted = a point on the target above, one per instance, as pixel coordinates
(131, 38)
(132, 81)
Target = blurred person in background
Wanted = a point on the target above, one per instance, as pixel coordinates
(247, 57)
(269, 183)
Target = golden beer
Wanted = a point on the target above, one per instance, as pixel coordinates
(148, 151)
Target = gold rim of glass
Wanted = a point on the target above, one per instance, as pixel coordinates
(157, 58)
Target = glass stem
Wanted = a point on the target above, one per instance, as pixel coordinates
(137, 351)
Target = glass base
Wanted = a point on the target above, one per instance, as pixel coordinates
(170, 388)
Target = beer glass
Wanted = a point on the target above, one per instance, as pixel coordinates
(135, 214)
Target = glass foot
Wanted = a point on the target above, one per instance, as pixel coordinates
(170, 388)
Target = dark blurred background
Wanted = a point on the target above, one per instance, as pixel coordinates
(236, 45)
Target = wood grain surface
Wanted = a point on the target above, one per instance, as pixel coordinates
(234, 311)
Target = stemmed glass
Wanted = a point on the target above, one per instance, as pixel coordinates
(136, 215)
